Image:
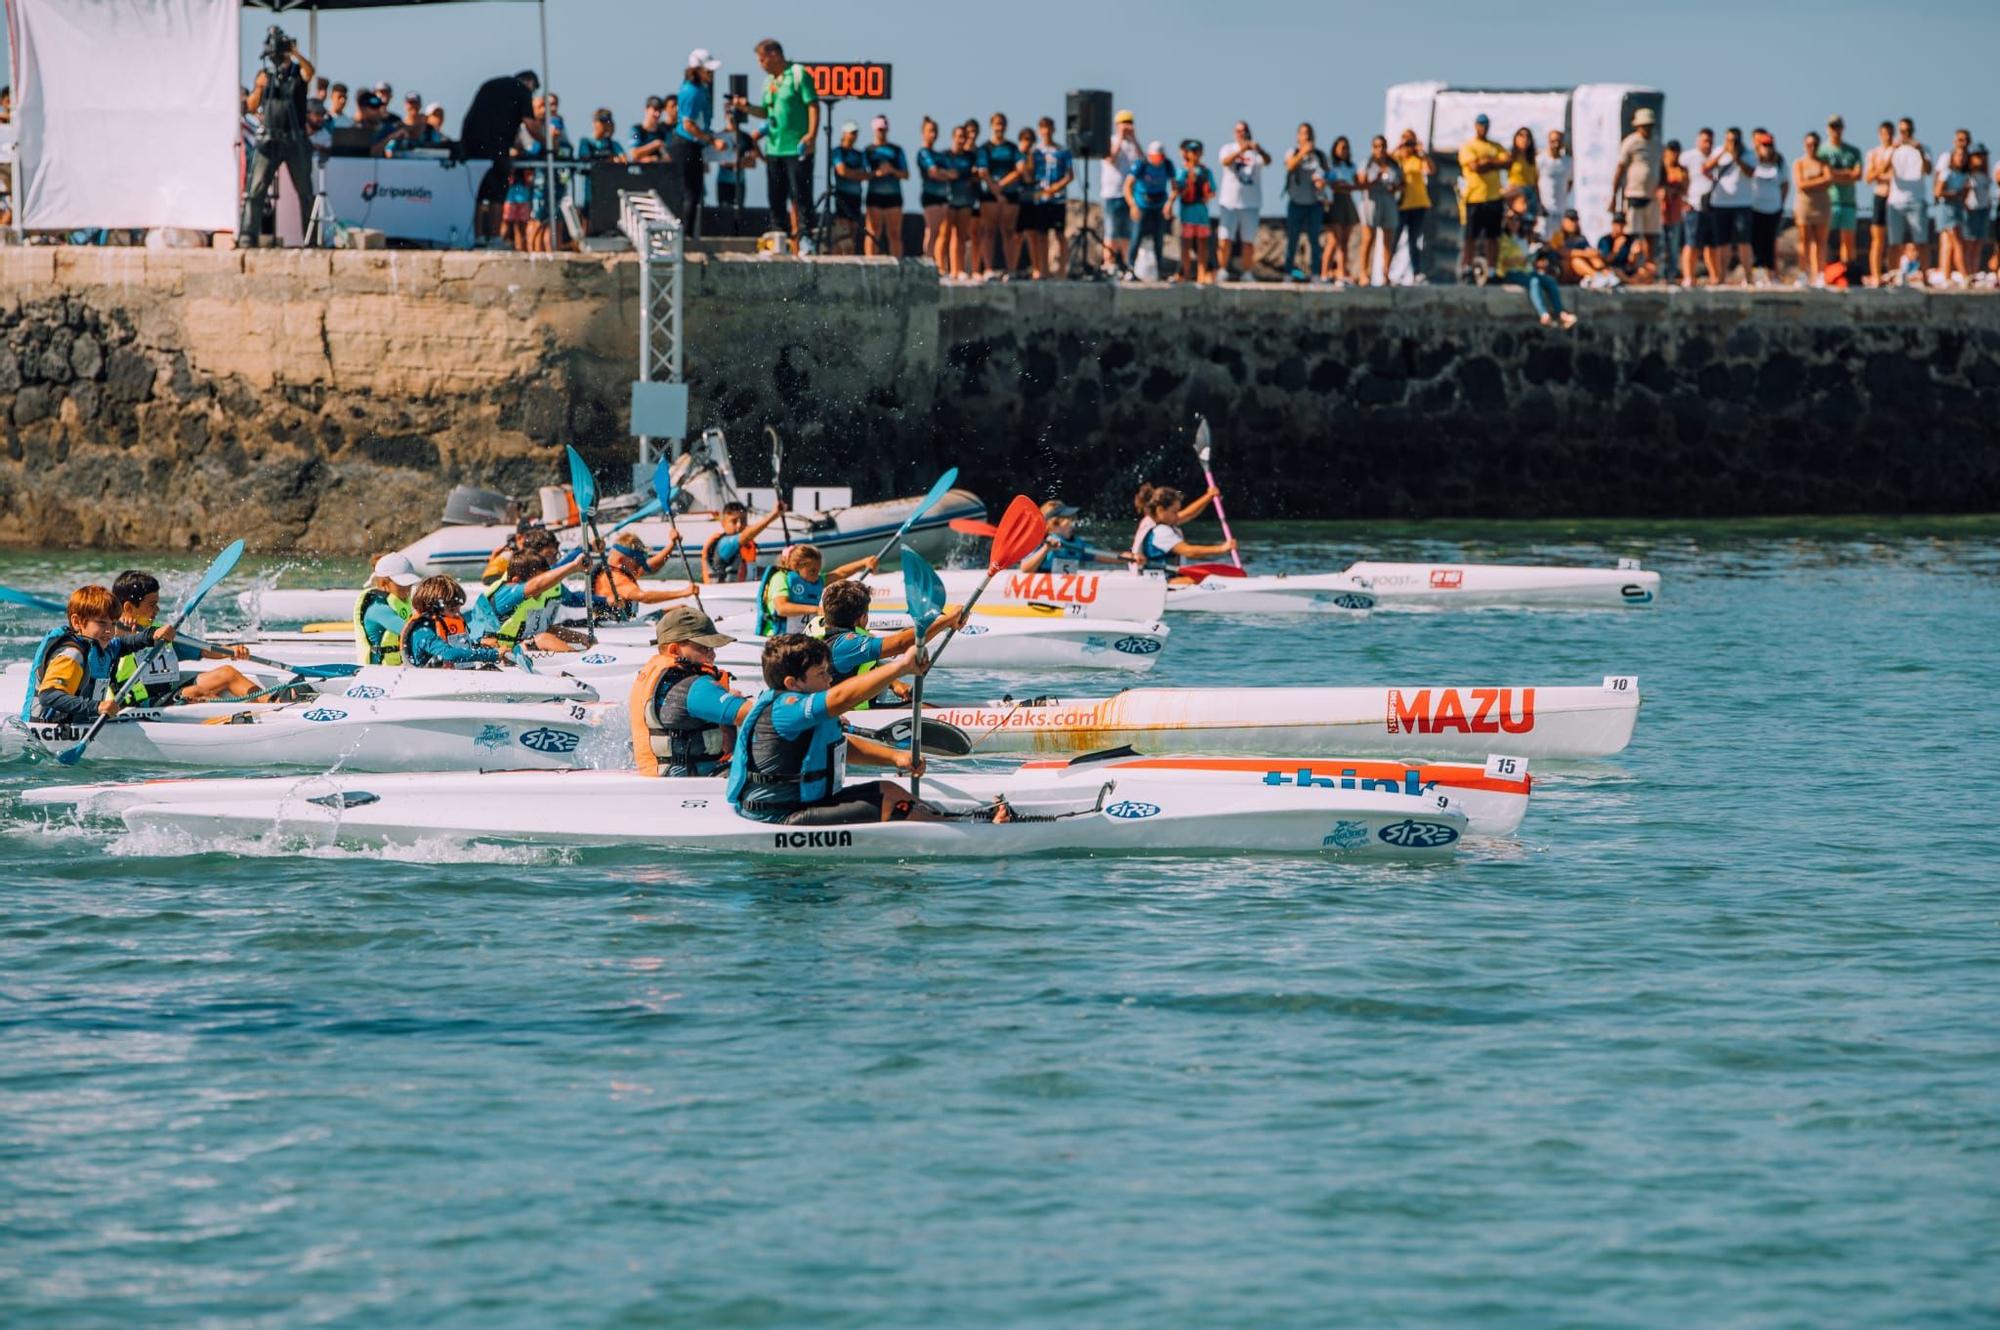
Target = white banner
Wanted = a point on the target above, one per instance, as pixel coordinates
(411, 199)
(127, 113)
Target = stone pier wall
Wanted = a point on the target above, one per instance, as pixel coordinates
(325, 401)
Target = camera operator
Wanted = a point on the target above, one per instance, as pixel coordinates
(278, 98)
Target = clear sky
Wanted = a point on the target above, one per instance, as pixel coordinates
(1190, 67)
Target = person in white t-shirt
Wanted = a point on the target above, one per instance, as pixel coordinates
(1111, 172)
(1556, 185)
(1909, 199)
(1241, 199)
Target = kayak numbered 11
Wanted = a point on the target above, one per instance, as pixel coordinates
(1123, 812)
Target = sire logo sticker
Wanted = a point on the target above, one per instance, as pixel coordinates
(1064, 588)
(547, 740)
(324, 713)
(1413, 835)
(1131, 808)
(1138, 646)
(1464, 710)
(366, 691)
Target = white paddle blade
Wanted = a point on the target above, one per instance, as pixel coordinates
(1203, 441)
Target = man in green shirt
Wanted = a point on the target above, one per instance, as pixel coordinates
(791, 104)
(1843, 159)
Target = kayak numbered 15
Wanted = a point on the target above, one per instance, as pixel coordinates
(1122, 812)
(1406, 721)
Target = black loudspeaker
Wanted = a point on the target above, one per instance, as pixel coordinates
(1090, 122)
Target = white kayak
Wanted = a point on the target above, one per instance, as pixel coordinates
(351, 734)
(1138, 597)
(1374, 585)
(1087, 811)
(1408, 721)
(842, 535)
(995, 645)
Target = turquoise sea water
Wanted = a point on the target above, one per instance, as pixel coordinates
(1714, 1042)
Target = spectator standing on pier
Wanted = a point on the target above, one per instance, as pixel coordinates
(1147, 191)
(336, 108)
(1768, 188)
(648, 138)
(1843, 166)
(1194, 192)
(599, 145)
(1729, 207)
(1343, 183)
(1523, 194)
(1673, 210)
(1241, 202)
(1000, 206)
(955, 168)
(850, 188)
(1481, 163)
(1876, 173)
(932, 192)
(888, 168)
(1700, 226)
(1909, 200)
(1416, 205)
(1636, 183)
(1555, 184)
(1812, 183)
(1979, 215)
(1380, 199)
(692, 139)
(1045, 220)
(791, 111)
(1952, 183)
(1111, 172)
(1305, 180)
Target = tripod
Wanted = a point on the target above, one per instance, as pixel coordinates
(1089, 240)
(823, 219)
(321, 216)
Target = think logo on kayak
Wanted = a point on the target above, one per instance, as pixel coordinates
(1350, 779)
(1445, 710)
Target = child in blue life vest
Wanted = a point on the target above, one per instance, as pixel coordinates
(1066, 552)
(790, 595)
(730, 555)
(436, 637)
(73, 665)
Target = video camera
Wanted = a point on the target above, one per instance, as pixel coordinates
(277, 45)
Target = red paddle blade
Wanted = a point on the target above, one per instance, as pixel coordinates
(972, 526)
(1201, 570)
(1022, 530)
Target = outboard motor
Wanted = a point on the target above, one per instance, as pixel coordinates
(467, 505)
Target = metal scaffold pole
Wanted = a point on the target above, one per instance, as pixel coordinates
(659, 396)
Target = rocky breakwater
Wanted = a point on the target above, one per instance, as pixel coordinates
(324, 402)
(1455, 402)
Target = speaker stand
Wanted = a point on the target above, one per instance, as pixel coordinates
(1090, 241)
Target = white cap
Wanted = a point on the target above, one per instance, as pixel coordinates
(435, 108)
(1155, 147)
(699, 58)
(397, 568)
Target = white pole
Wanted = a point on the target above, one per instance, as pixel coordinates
(312, 35)
(548, 125)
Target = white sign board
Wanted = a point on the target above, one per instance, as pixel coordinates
(423, 200)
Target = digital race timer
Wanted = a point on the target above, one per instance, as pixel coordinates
(849, 80)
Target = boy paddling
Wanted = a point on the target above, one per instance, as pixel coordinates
(74, 664)
(730, 555)
(1064, 551)
(135, 598)
(843, 626)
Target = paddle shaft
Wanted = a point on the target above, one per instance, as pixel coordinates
(778, 483)
(1220, 516)
(686, 566)
(964, 610)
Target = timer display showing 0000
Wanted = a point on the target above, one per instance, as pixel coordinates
(851, 80)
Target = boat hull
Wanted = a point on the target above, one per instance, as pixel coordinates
(1372, 585)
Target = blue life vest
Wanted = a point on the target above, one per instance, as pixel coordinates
(97, 666)
(796, 589)
(1156, 558)
(778, 773)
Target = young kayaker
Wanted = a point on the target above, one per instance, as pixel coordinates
(730, 555)
(626, 560)
(1142, 503)
(684, 714)
(1162, 542)
(790, 594)
(1064, 551)
(842, 624)
(436, 636)
(135, 601)
(790, 762)
(527, 603)
(381, 610)
(73, 664)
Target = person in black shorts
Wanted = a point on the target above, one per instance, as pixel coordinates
(498, 111)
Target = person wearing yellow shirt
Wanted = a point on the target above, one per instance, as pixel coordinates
(1416, 204)
(1482, 163)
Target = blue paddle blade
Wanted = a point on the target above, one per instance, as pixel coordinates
(938, 491)
(334, 671)
(581, 483)
(663, 485)
(923, 590)
(521, 659)
(482, 620)
(650, 508)
(28, 600)
(225, 564)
